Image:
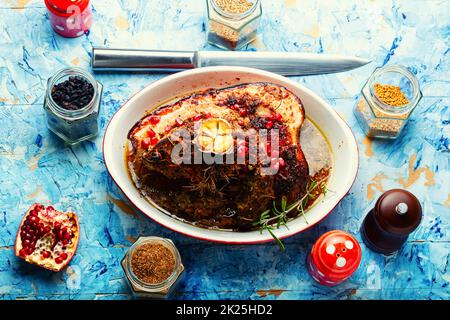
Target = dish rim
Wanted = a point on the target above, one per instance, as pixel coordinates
(253, 71)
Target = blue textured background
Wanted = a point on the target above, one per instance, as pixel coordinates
(36, 166)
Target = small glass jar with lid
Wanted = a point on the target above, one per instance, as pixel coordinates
(387, 101)
(158, 290)
(232, 24)
(79, 123)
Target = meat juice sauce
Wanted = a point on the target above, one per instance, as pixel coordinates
(164, 194)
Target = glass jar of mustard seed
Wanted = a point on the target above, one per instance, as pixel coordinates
(152, 267)
(387, 101)
(232, 23)
(72, 105)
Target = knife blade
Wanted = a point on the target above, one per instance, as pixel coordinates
(284, 63)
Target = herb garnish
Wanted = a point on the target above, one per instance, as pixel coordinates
(276, 217)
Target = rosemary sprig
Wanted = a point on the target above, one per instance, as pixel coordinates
(276, 217)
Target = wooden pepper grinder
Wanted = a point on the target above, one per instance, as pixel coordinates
(396, 214)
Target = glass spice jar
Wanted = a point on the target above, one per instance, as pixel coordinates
(387, 101)
(70, 18)
(73, 125)
(162, 289)
(232, 23)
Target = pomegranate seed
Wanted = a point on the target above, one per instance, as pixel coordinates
(145, 143)
(47, 229)
(57, 225)
(63, 256)
(274, 164)
(271, 117)
(23, 252)
(269, 124)
(198, 117)
(168, 128)
(65, 242)
(278, 117)
(50, 208)
(241, 142)
(179, 122)
(241, 122)
(242, 112)
(46, 254)
(64, 230)
(234, 107)
(26, 243)
(60, 234)
(30, 251)
(68, 236)
(59, 260)
(208, 115)
(151, 133)
(154, 119)
(242, 151)
(154, 141)
(34, 213)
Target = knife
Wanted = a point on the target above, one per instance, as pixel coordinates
(284, 63)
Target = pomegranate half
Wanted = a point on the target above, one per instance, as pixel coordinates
(47, 237)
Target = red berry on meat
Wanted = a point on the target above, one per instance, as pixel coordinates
(179, 122)
(154, 119)
(269, 124)
(145, 144)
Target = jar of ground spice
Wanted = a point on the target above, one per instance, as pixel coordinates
(387, 101)
(152, 267)
(232, 23)
(72, 105)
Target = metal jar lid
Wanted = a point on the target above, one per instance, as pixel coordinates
(66, 8)
(398, 211)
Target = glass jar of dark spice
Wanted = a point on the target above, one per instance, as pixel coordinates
(152, 266)
(232, 24)
(387, 101)
(72, 105)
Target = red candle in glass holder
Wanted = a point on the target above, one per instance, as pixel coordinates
(334, 257)
(70, 18)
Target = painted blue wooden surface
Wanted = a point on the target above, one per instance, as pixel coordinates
(36, 166)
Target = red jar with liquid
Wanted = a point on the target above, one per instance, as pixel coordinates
(70, 18)
(334, 257)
